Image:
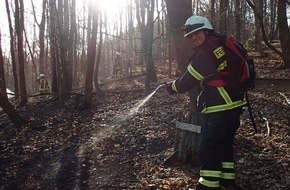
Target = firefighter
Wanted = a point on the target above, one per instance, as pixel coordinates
(220, 100)
(43, 84)
(117, 67)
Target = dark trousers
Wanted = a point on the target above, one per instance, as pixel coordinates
(217, 141)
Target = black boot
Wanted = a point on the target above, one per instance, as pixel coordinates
(201, 187)
(231, 187)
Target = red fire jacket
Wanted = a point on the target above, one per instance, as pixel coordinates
(214, 68)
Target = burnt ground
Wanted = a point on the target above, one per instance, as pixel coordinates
(108, 147)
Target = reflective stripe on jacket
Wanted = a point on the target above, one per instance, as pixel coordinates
(43, 85)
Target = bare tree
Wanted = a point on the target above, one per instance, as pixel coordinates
(178, 12)
(284, 55)
(223, 16)
(4, 102)
(67, 38)
(19, 25)
(146, 26)
(12, 51)
(284, 32)
(10, 111)
(212, 11)
(53, 46)
(58, 53)
(98, 58)
(2, 74)
(72, 60)
(273, 26)
(33, 68)
(91, 56)
(41, 36)
(238, 19)
(258, 35)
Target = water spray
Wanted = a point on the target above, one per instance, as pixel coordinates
(136, 107)
(142, 102)
(119, 120)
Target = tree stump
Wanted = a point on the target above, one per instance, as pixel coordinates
(188, 135)
(190, 141)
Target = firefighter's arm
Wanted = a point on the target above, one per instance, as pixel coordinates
(194, 75)
(201, 66)
(183, 84)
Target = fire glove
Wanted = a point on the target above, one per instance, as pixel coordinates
(169, 89)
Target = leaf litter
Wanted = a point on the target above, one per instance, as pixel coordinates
(107, 147)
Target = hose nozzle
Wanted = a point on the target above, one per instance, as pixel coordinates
(160, 86)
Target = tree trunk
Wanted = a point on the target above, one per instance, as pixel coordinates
(4, 102)
(190, 141)
(67, 39)
(284, 32)
(223, 16)
(238, 19)
(72, 76)
(2, 74)
(83, 46)
(12, 51)
(146, 28)
(265, 39)
(41, 38)
(273, 20)
(58, 54)
(178, 12)
(91, 55)
(131, 32)
(53, 46)
(19, 25)
(10, 111)
(212, 12)
(150, 70)
(33, 69)
(98, 58)
(258, 35)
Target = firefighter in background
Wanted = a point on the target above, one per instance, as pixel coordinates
(43, 84)
(212, 67)
(117, 67)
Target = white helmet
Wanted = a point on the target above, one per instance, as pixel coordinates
(195, 23)
(41, 75)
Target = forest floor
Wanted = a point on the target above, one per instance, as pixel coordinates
(113, 146)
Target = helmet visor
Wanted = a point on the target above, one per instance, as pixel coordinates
(191, 28)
